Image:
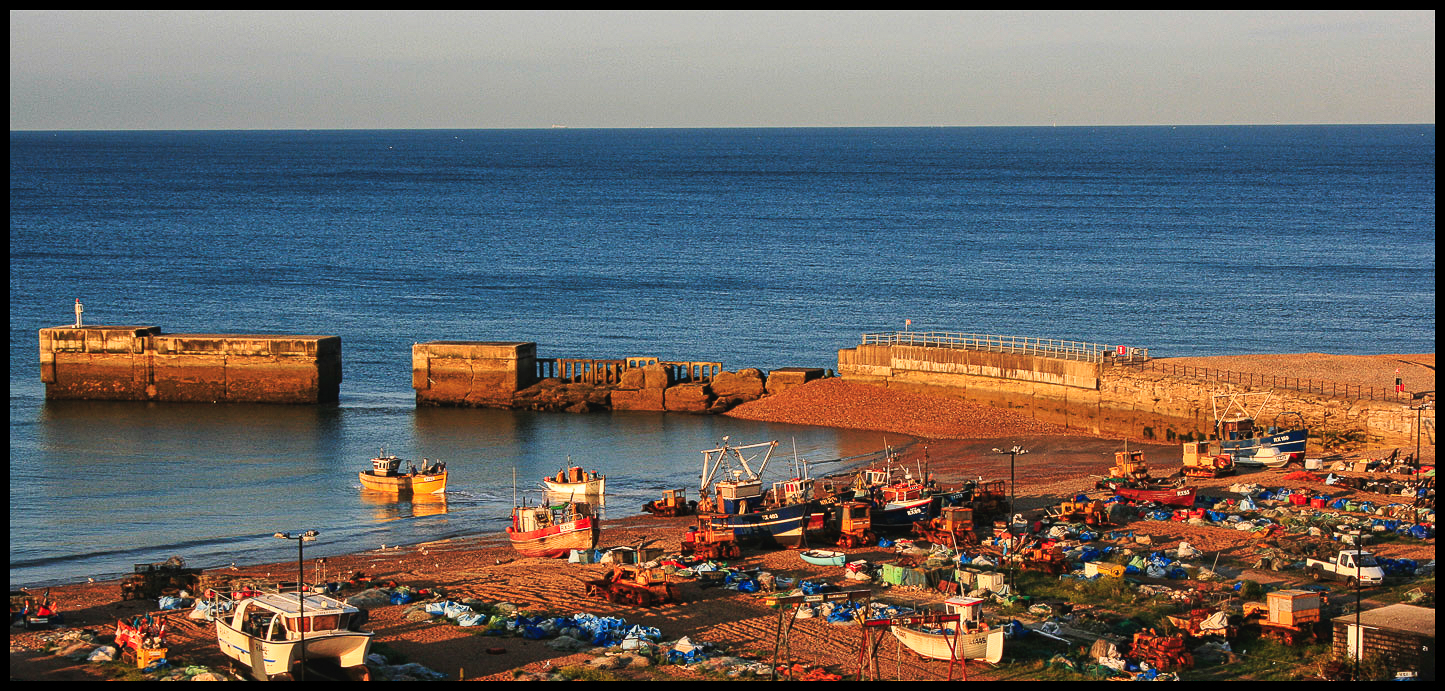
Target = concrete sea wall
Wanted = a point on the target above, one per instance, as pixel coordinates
(1108, 399)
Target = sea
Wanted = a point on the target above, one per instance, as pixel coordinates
(760, 248)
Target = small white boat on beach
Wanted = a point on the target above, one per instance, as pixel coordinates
(1267, 456)
(824, 557)
(968, 638)
(943, 644)
(272, 633)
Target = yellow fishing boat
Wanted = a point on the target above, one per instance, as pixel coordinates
(386, 476)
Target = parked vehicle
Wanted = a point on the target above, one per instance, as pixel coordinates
(1351, 566)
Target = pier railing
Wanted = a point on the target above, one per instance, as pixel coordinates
(604, 372)
(1323, 387)
(994, 343)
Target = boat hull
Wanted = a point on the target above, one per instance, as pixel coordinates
(557, 540)
(1290, 444)
(900, 516)
(434, 483)
(1179, 496)
(594, 488)
(270, 658)
(783, 526)
(979, 645)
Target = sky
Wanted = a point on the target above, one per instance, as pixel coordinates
(114, 70)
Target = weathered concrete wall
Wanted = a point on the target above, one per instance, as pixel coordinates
(471, 373)
(1120, 401)
(139, 363)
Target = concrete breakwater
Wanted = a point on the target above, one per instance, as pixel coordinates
(510, 375)
(1110, 395)
(1092, 389)
(140, 363)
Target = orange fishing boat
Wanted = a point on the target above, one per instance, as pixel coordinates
(386, 476)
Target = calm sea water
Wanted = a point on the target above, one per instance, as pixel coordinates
(757, 248)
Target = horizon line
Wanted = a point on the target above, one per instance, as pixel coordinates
(714, 127)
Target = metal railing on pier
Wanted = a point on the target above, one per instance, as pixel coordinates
(994, 343)
(1321, 387)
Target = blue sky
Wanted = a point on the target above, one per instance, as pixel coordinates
(286, 70)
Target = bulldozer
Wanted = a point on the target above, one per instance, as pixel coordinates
(711, 540)
(1049, 559)
(673, 503)
(854, 524)
(1200, 462)
(1165, 653)
(953, 527)
(634, 584)
(990, 500)
(1087, 512)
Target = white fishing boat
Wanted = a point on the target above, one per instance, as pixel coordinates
(574, 481)
(1266, 456)
(272, 633)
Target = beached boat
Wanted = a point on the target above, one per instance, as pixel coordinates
(1172, 496)
(968, 638)
(1237, 435)
(272, 633)
(824, 557)
(573, 481)
(898, 500)
(386, 476)
(1265, 456)
(553, 531)
(943, 644)
(776, 517)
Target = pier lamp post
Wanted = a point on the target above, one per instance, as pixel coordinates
(1013, 453)
(301, 539)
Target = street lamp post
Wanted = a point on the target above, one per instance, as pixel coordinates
(1013, 453)
(300, 539)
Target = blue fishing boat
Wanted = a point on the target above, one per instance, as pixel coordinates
(1238, 436)
(774, 518)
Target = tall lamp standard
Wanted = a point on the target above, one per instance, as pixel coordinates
(1013, 453)
(300, 539)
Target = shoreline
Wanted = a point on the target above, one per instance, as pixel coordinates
(484, 567)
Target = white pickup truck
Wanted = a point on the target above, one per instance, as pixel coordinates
(1349, 565)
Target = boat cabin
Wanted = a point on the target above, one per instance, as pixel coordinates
(277, 616)
(385, 465)
(907, 491)
(1237, 428)
(969, 609)
(791, 492)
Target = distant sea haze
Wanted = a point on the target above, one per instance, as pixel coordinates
(754, 247)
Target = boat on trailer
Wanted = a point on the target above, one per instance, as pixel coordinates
(272, 633)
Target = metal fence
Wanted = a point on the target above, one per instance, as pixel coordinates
(993, 343)
(1322, 387)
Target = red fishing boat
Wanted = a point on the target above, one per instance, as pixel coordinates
(1173, 496)
(553, 531)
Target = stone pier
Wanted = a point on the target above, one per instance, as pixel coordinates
(140, 363)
